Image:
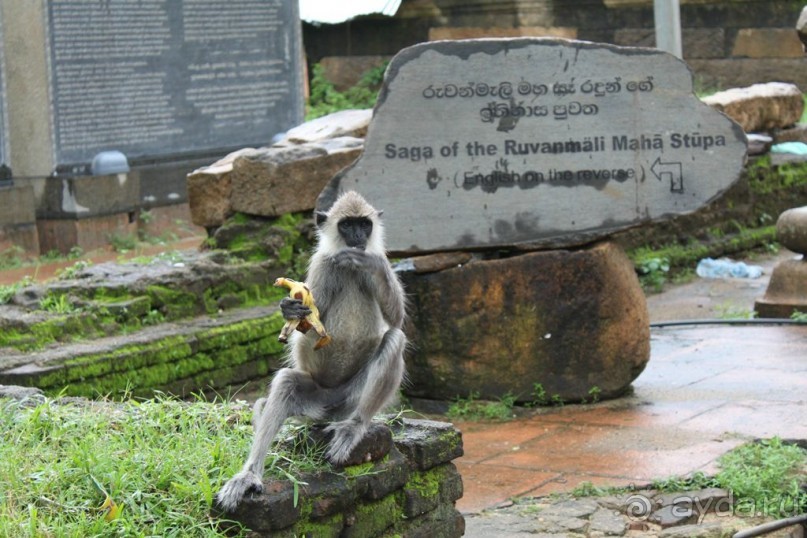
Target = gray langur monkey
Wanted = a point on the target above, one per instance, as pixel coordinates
(362, 305)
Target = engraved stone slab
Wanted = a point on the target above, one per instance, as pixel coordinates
(4, 142)
(536, 143)
(158, 79)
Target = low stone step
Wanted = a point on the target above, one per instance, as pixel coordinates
(178, 357)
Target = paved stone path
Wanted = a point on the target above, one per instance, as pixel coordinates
(706, 390)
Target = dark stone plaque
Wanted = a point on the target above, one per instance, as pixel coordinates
(5, 172)
(156, 78)
(537, 143)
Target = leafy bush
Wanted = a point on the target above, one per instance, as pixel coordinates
(325, 99)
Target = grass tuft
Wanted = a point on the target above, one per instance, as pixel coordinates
(153, 466)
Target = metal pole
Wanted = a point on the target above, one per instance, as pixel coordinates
(667, 14)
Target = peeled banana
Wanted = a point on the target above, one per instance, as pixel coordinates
(298, 290)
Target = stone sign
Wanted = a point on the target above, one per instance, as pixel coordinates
(4, 171)
(152, 78)
(536, 143)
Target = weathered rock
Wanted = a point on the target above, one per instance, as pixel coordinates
(273, 181)
(791, 229)
(346, 71)
(766, 43)
(411, 493)
(274, 508)
(25, 395)
(350, 123)
(713, 529)
(375, 444)
(787, 289)
(760, 107)
(445, 442)
(786, 292)
(536, 143)
(759, 144)
(673, 515)
(571, 321)
(703, 501)
(608, 522)
(437, 262)
(798, 133)
(209, 191)
(572, 508)
(780, 158)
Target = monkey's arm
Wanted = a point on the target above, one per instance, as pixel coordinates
(384, 284)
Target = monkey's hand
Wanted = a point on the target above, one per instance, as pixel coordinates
(353, 258)
(234, 490)
(293, 309)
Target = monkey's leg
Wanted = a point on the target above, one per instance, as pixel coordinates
(292, 392)
(257, 411)
(373, 387)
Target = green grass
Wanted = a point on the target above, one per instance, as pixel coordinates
(473, 409)
(161, 461)
(766, 477)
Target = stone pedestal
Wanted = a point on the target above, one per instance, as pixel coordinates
(574, 322)
(787, 290)
(87, 211)
(18, 219)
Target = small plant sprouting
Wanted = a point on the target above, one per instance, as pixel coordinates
(73, 271)
(123, 243)
(57, 304)
(153, 317)
(595, 392)
(146, 216)
(653, 273)
(800, 317)
(539, 396)
(472, 408)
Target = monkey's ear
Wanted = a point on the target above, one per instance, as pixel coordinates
(380, 213)
(320, 217)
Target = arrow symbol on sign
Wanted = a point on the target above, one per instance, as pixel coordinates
(671, 170)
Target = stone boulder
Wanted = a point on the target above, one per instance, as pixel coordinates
(574, 322)
(270, 182)
(351, 123)
(209, 190)
(787, 289)
(761, 107)
(283, 178)
(801, 28)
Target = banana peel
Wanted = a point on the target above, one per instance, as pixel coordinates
(298, 290)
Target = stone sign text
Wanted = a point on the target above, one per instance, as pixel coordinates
(537, 142)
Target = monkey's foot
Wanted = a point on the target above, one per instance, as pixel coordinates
(234, 490)
(346, 435)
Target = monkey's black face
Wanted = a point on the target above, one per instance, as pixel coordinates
(355, 231)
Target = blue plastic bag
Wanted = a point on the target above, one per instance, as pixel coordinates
(727, 268)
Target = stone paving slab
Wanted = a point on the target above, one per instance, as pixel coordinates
(705, 391)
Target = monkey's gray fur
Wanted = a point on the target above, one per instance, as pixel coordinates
(362, 305)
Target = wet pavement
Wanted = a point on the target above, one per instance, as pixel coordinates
(705, 390)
